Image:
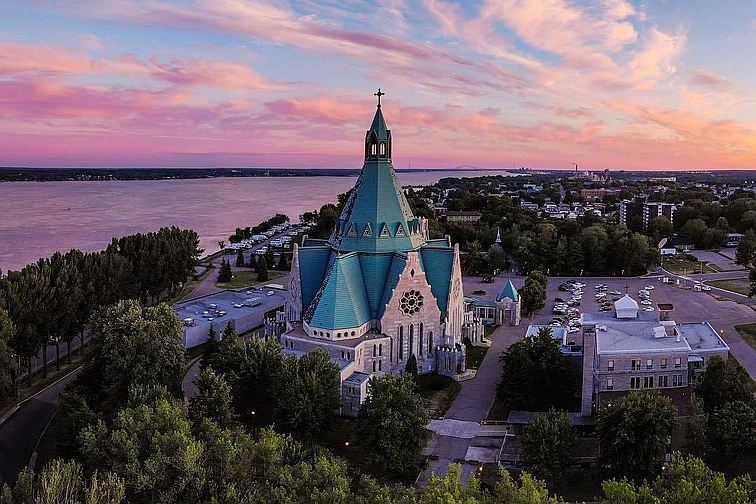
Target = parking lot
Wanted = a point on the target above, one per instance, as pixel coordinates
(689, 306)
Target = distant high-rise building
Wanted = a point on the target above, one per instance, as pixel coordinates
(638, 212)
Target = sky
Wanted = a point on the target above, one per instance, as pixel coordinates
(657, 85)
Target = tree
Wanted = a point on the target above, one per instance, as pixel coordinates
(732, 429)
(212, 401)
(684, 481)
(410, 368)
(262, 269)
(132, 345)
(696, 442)
(151, 446)
(659, 227)
(63, 482)
(548, 444)
(252, 367)
(536, 374)
(635, 431)
(723, 381)
(283, 263)
(8, 359)
(211, 347)
(240, 258)
(746, 251)
(391, 423)
(224, 273)
(309, 395)
(533, 293)
(252, 261)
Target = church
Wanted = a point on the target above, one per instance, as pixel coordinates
(379, 291)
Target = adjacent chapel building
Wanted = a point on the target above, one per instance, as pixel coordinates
(378, 291)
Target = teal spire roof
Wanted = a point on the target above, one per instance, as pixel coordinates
(508, 291)
(377, 217)
(378, 129)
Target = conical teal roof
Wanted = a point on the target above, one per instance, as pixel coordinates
(377, 216)
(508, 291)
(378, 128)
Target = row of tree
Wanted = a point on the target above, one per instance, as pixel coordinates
(50, 301)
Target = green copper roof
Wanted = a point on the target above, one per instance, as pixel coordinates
(508, 291)
(378, 127)
(341, 301)
(313, 264)
(437, 264)
(377, 217)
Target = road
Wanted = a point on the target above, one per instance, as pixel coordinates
(21, 431)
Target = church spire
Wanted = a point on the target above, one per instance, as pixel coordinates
(378, 137)
(498, 236)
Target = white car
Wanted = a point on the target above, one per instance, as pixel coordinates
(646, 302)
(705, 287)
(649, 287)
(648, 308)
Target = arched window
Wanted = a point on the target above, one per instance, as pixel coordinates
(373, 366)
(380, 349)
(430, 342)
(383, 149)
(412, 339)
(420, 340)
(375, 350)
(401, 342)
(373, 148)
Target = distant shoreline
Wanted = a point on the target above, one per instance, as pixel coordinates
(11, 174)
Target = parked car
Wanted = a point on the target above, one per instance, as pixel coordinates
(559, 300)
(649, 287)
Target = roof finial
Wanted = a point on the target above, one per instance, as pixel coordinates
(379, 94)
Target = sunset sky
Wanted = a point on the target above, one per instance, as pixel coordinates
(607, 84)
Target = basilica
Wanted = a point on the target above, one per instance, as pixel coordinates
(379, 291)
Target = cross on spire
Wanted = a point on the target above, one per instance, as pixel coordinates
(379, 94)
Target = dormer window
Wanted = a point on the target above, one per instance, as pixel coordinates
(373, 148)
(383, 149)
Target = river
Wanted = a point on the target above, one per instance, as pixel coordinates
(38, 218)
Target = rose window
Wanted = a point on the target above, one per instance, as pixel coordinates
(411, 302)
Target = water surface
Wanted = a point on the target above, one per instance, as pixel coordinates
(38, 218)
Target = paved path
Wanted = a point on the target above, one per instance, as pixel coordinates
(454, 439)
(20, 433)
(187, 385)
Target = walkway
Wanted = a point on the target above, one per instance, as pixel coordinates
(461, 427)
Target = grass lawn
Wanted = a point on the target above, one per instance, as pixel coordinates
(246, 278)
(474, 355)
(748, 331)
(739, 285)
(438, 391)
(682, 264)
